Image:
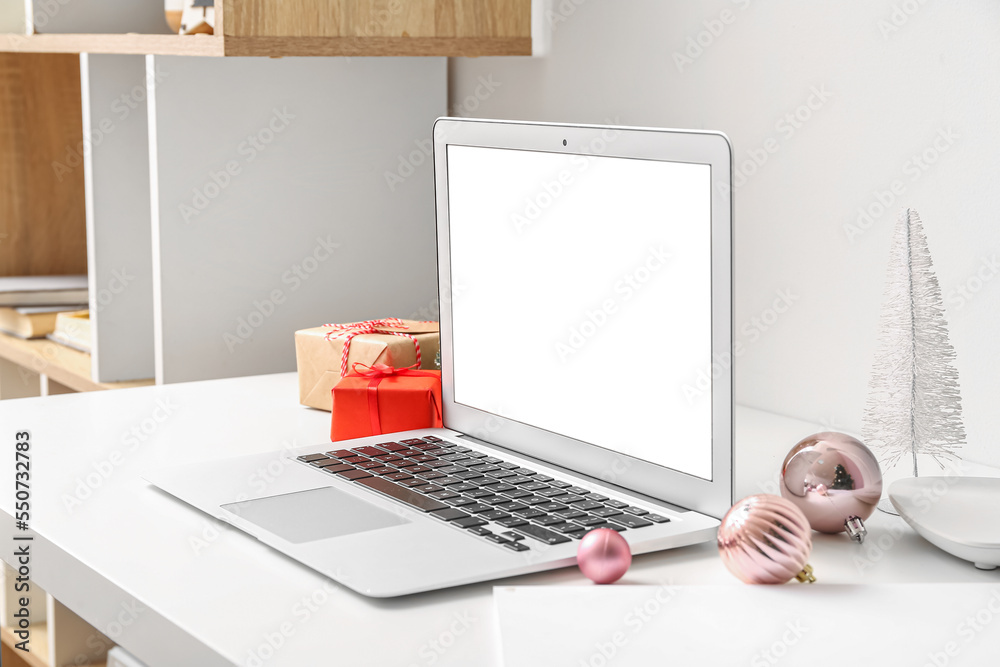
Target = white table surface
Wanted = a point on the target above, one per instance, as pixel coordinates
(195, 592)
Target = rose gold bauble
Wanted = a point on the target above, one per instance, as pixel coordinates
(835, 480)
(765, 539)
(603, 556)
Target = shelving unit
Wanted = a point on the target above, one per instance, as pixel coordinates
(58, 636)
(43, 211)
(323, 28)
(172, 45)
(38, 656)
(62, 367)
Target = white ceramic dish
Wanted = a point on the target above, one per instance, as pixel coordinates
(960, 515)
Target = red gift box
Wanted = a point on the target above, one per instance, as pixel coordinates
(378, 399)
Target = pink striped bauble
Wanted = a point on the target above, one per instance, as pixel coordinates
(766, 539)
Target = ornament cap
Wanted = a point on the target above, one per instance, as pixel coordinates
(855, 528)
(806, 575)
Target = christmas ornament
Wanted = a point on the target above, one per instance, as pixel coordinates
(914, 408)
(835, 481)
(603, 556)
(765, 539)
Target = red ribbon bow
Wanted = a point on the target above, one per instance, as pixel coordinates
(385, 370)
(349, 331)
(377, 373)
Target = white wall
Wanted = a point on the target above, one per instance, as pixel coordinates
(895, 75)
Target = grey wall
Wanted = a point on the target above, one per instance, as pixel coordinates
(278, 203)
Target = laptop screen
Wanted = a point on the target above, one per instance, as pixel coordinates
(582, 298)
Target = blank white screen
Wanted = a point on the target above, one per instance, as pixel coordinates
(582, 297)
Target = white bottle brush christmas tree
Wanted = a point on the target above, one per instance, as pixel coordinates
(914, 409)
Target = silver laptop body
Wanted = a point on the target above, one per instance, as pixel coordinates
(585, 288)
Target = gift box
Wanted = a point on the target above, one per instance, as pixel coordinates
(324, 354)
(373, 400)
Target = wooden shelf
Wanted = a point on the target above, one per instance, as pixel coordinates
(66, 366)
(377, 46)
(468, 28)
(38, 656)
(160, 45)
(212, 45)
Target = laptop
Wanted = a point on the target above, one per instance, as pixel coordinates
(585, 286)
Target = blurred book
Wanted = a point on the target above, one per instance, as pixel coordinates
(32, 321)
(43, 290)
(73, 330)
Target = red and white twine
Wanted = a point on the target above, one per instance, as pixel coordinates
(349, 331)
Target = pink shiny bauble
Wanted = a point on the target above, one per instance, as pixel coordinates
(765, 539)
(603, 556)
(831, 477)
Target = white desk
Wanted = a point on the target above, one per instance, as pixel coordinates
(196, 593)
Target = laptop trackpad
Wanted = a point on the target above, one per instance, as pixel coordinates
(305, 516)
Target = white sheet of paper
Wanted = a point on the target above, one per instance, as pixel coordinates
(934, 625)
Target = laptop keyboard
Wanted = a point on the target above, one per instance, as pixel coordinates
(490, 498)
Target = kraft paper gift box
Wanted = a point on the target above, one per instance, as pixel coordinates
(319, 352)
(380, 399)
